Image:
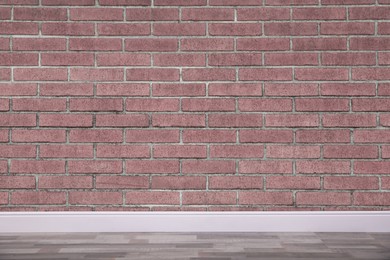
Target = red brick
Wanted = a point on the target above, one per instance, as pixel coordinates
(297, 59)
(152, 136)
(323, 167)
(152, 74)
(122, 182)
(350, 183)
(385, 151)
(321, 104)
(208, 104)
(293, 151)
(235, 2)
(19, 2)
(66, 89)
(323, 198)
(38, 197)
(371, 198)
(385, 182)
(316, 13)
(17, 151)
(371, 136)
(251, 166)
(40, 74)
(169, 60)
(125, 2)
(292, 120)
(367, 104)
(321, 74)
(66, 151)
(208, 166)
(123, 151)
(96, 74)
(3, 166)
(153, 197)
(349, 120)
(131, 120)
(179, 90)
(38, 44)
(207, 14)
(4, 44)
(209, 136)
(4, 137)
(96, 14)
(122, 89)
(95, 44)
(266, 136)
(5, 74)
(347, 28)
(291, 89)
(65, 182)
(384, 58)
(234, 59)
(350, 151)
(266, 44)
(95, 197)
(80, 29)
(18, 89)
(207, 44)
(369, 43)
(152, 166)
(265, 74)
(236, 151)
(291, 29)
(263, 14)
(209, 197)
(347, 89)
(66, 3)
(291, 2)
(95, 166)
(37, 166)
(180, 2)
(179, 151)
(38, 136)
(65, 120)
(96, 104)
(17, 120)
(369, 13)
(123, 29)
(5, 13)
(322, 136)
(265, 198)
(265, 105)
(17, 182)
(4, 104)
(234, 89)
(230, 29)
(145, 44)
(179, 29)
(152, 104)
(348, 59)
(383, 28)
(235, 120)
(179, 182)
(39, 104)
(371, 167)
(179, 120)
(235, 182)
(371, 74)
(18, 59)
(319, 44)
(67, 59)
(152, 14)
(40, 14)
(209, 74)
(293, 182)
(347, 2)
(384, 119)
(96, 136)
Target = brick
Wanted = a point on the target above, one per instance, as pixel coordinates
(178, 120)
(5, 13)
(208, 74)
(370, 74)
(123, 151)
(207, 44)
(291, 29)
(5, 74)
(208, 166)
(383, 28)
(17, 151)
(265, 74)
(350, 183)
(95, 166)
(4, 104)
(266, 136)
(39, 104)
(152, 14)
(40, 14)
(323, 167)
(38, 136)
(125, 2)
(384, 119)
(291, 2)
(348, 59)
(371, 167)
(209, 136)
(384, 58)
(17, 182)
(152, 104)
(267, 44)
(385, 182)
(367, 104)
(95, 44)
(19, 2)
(371, 136)
(235, 120)
(122, 182)
(95, 104)
(369, 43)
(208, 104)
(321, 74)
(322, 136)
(235, 182)
(385, 151)
(179, 151)
(293, 182)
(319, 44)
(40, 74)
(66, 3)
(207, 14)
(347, 2)
(37, 166)
(65, 120)
(292, 120)
(290, 89)
(181, 2)
(188, 60)
(235, 2)
(209, 198)
(4, 44)
(96, 14)
(369, 13)
(293, 151)
(122, 89)
(315, 13)
(265, 105)
(95, 136)
(65, 89)
(323, 198)
(152, 136)
(3, 166)
(347, 89)
(153, 197)
(65, 182)
(179, 183)
(321, 104)
(145, 44)
(265, 198)
(263, 14)
(116, 29)
(131, 120)
(38, 197)
(297, 59)
(71, 29)
(371, 198)
(234, 59)
(4, 136)
(234, 89)
(18, 59)
(77, 74)
(65, 151)
(236, 151)
(179, 89)
(179, 29)
(231, 29)
(347, 28)
(95, 197)
(17, 120)
(350, 151)
(152, 74)
(38, 44)
(349, 120)
(67, 59)
(152, 166)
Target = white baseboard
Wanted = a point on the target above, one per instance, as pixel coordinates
(342, 221)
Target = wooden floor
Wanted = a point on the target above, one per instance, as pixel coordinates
(195, 246)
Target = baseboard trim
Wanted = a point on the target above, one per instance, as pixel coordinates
(305, 221)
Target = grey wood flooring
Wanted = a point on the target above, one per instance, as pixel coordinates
(195, 246)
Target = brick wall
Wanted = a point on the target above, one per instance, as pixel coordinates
(194, 105)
